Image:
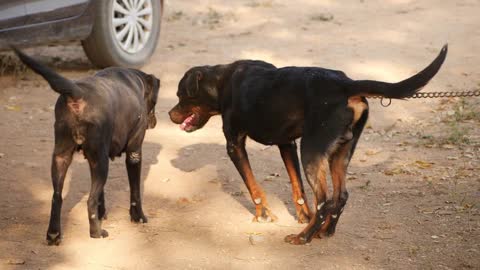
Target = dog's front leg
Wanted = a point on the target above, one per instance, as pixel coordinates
(61, 160)
(238, 155)
(99, 172)
(102, 211)
(133, 163)
(290, 159)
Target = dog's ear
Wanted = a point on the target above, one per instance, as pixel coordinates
(193, 82)
(151, 93)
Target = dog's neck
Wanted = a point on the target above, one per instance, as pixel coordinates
(223, 73)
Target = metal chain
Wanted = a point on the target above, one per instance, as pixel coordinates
(473, 93)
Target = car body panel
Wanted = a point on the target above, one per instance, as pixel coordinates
(40, 11)
(12, 14)
(76, 27)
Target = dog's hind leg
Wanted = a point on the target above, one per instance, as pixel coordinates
(315, 167)
(290, 159)
(61, 160)
(238, 155)
(323, 131)
(133, 162)
(98, 161)
(340, 159)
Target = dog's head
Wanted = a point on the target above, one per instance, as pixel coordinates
(198, 99)
(151, 95)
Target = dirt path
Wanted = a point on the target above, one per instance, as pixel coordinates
(414, 181)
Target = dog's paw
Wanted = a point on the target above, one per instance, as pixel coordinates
(264, 216)
(137, 216)
(323, 234)
(295, 239)
(330, 233)
(54, 238)
(331, 230)
(99, 234)
(302, 217)
(328, 227)
(141, 219)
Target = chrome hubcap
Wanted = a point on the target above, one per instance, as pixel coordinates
(132, 23)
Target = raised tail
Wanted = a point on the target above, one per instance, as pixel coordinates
(399, 90)
(58, 83)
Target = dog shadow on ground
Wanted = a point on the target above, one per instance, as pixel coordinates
(193, 157)
(29, 222)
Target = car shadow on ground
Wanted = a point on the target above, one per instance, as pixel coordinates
(70, 58)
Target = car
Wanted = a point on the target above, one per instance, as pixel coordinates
(112, 32)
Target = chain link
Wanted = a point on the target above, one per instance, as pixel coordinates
(473, 93)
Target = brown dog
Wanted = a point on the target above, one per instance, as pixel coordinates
(104, 115)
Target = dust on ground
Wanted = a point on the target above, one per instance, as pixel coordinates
(414, 180)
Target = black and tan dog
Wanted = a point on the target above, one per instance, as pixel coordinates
(275, 106)
(103, 115)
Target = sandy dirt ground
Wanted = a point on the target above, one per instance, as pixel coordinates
(414, 182)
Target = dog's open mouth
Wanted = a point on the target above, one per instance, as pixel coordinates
(189, 124)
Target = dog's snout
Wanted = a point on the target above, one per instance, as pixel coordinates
(175, 116)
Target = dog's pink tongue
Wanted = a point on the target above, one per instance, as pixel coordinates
(187, 122)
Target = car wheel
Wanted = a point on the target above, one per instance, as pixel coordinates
(125, 32)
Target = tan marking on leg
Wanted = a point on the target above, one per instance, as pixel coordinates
(317, 178)
(60, 160)
(257, 194)
(297, 194)
(322, 190)
(134, 157)
(358, 107)
(338, 167)
(255, 191)
(325, 225)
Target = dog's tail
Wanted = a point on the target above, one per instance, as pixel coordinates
(58, 83)
(401, 89)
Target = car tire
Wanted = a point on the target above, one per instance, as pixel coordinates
(116, 38)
